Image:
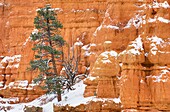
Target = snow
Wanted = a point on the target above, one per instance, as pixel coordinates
(108, 42)
(86, 48)
(165, 4)
(56, 9)
(75, 11)
(110, 26)
(161, 19)
(91, 78)
(7, 100)
(7, 59)
(98, 29)
(22, 84)
(35, 31)
(136, 47)
(7, 23)
(111, 53)
(138, 43)
(92, 44)
(52, 9)
(162, 77)
(151, 20)
(136, 21)
(1, 4)
(146, 54)
(158, 5)
(106, 61)
(106, 55)
(154, 42)
(72, 98)
(79, 43)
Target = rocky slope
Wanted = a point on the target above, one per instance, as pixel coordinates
(125, 42)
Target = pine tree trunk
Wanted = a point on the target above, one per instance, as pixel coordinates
(53, 59)
(59, 96)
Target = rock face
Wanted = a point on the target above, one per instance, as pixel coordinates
(16, 21)
(135, 31)
(143, 51)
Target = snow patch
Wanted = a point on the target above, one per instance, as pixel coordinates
(151, 20)
(158, 5)
(137, 44)
(22, 84)
(136, 47)
(72, 98)
(8, 100)
(110, 26)
(52, 9)
(92, 78)
(98, 29)
(1, 4)
(162, 77)
(108, 42)
(105, 61)
(156, 40)
(76, 11)
(7, 59)
(136, 21)
(107, 53)
(161, 19)
(79, 43)
(35, 31)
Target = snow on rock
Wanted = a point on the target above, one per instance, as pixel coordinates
(86, 49)
(79, 43)
(98, 29)
(135, 47)
(165, 4)
(110, 26)
(137, 44)
(162, 77)
(161, 19)
(11, 59)
(159, 4)
(72, 98)
(8, 100)
(35, 31)
(21, 84)
(136, 21)
(92, 78)
(76, 11)
(1, 4)
(75, 97)
(150, 20)
(116, 100)
(52, 9)
(107, 42)
(107, 53)
(154, 42)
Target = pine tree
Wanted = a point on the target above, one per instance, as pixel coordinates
(47, 48)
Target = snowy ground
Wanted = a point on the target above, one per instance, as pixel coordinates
(73, 98)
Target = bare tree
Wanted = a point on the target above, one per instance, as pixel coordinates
(70, 64)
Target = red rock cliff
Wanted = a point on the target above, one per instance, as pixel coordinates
(137, 31)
